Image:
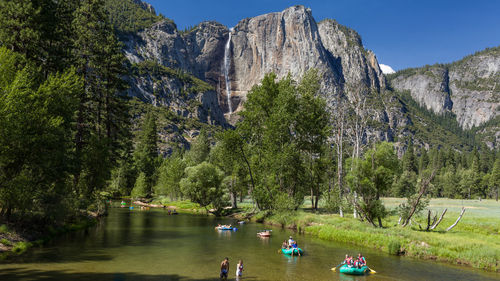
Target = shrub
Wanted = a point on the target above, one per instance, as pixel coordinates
(394, 247)
(21, 247)
(4, 228)
(5, 242)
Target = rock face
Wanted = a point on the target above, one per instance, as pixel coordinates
(285, 42)
(470, 88)
(359, 67)
(429, 88)
(192, 80)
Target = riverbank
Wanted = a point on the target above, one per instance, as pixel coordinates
(15, 241)
(474, 242)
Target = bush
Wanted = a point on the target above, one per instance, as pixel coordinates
(5, 242)
(21, 247)
(394, 247)
(4, 228)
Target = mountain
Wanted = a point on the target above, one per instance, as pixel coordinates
(203, 74)
(468, 90)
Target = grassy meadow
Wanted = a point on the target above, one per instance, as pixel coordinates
(475, 241)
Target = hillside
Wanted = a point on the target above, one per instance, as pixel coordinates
(466, 91)
(231, 61)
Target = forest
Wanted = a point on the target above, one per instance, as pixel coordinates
(67, 143)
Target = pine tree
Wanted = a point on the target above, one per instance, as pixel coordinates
(495, 178)
(101, 115)
(146, 152)
(409, 159)
(20, 29)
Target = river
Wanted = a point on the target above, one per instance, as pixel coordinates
(151, 245)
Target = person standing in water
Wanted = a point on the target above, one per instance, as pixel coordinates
(224, 268)
(239, 269)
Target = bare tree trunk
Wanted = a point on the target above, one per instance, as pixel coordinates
(252, 187)
(233, 200)
(428, 220)
(355, 211)
(458, 219)
(312, 198)
(439, 220)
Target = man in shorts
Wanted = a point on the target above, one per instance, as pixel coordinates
(224, 268)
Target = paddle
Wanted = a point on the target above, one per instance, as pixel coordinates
(333, 268)
(372, 271)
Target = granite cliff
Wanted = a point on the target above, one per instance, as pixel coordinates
(193, 66)
(468, 88)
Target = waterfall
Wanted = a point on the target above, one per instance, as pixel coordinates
(227, 65)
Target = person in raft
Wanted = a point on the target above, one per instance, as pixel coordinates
(290, 241)
(284, 245)
(346, 261)
(361, 260)
(224, 268)
(294, 245)
(239, 269)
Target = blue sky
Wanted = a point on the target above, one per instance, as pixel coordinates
(402, 33)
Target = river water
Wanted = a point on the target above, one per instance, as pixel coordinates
(151, 245)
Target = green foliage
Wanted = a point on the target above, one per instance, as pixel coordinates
(4, 228)
(35, 140)
(283, 129)
(127, 16)
(142, 188)
(202, 185)
(5, 242)
(158, 71)
(170, 174)
(371, 176)
(445, 130)
(21, 247)
(394, 247)
(406, 184)
(200, 149)
(122, 178)
(146, 153)
(62, 120)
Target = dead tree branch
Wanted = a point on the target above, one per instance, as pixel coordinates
(423, 189)
(459, 218)
(439, 221)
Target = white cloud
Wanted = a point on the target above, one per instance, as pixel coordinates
(386, 69)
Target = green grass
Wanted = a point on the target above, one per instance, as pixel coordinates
(475, 241)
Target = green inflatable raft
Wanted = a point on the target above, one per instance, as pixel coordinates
(295, 251)
(353, 270)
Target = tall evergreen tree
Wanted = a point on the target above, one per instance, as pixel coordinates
(100, 116)
(146, 152)
(409, 159)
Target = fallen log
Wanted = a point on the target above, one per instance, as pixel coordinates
(149, 205)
